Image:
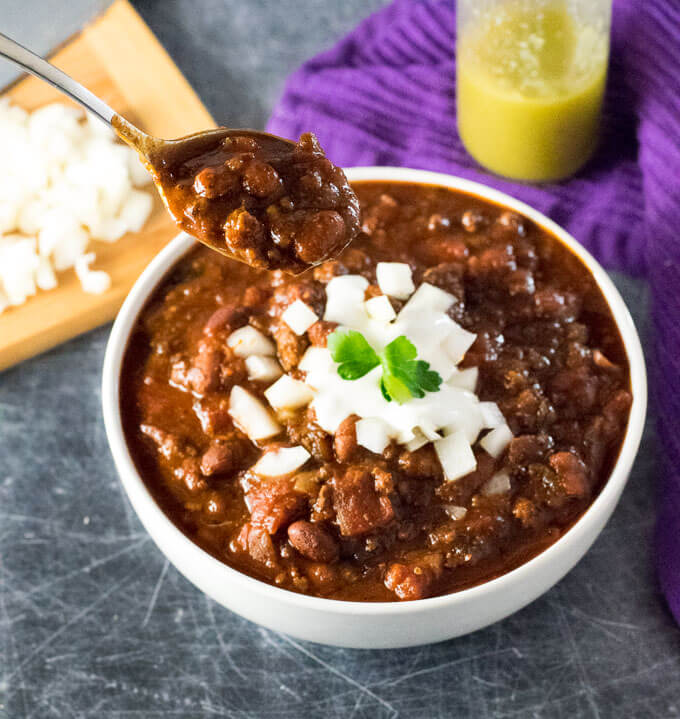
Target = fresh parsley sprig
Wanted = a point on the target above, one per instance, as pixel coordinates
(403, 376)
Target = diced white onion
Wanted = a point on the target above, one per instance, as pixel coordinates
(468, 420)
(299, 317)
(251, 416)
(135, 210)
(380, 308)
(330, 412)
(492, 417)
(65, 180)
(281, 461)
(497, 440)
(498, 484)
(315, 358)
(458, 343)
(373, 434)
(44, 276)
(4, 300)
(263, 369)
(426, 299)
(455, 512)
(419, 440)
(464, 378)
(345, 300)
(248, 341)
(394, 279)
(18, 265)
(288, 393)
(93, 281)
(455, 456)
(429, 430)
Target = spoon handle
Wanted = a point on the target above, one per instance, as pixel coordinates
(34, 64)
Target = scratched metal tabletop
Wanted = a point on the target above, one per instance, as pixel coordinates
(95, 623)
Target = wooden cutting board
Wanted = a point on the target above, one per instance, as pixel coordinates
(119, 59)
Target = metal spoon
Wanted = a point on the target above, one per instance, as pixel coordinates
(153, 151)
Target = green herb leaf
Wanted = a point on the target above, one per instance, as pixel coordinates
(404, 376)
(351, 350)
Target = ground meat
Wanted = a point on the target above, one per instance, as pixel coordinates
(203, 374)
(421, 463)
(441, 249)
(274, 505)
(213, 414)
(169, 445)
(256, 542)
(319, 331)
(528, 449)
(289, 346)
(302, 429)
(572, 474)
(460, 492)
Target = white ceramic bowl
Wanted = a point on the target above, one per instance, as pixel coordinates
(384, 624)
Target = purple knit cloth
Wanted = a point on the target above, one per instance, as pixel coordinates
(385, 95)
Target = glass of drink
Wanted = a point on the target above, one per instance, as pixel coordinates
(530, 77)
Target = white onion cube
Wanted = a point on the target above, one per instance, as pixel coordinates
(429, 430)
(464, 378)
(248, 341)
(427, 299)
(299, 317)
(44, 275)
(497, 440)
(263, 369)
(281, 461)
(4, 300)
(347, 284)
(458, 343)
(94, 282)
(135, 210)
(455, 512)
(419, 440)
(492, 417)
(468, 421)
(498, 484)
(373, 434)
(18, 265)
(394, 279)
(455, 456)
(317, 363)
(380, 308)
(139, 175)
(329, 412)
(251, 416)
(288, 393)
(345, 300)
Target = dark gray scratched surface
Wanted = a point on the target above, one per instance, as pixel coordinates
(93, 621)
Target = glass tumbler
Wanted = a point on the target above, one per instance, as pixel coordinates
(530, 81)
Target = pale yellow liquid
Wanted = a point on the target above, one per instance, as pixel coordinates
(530, 87)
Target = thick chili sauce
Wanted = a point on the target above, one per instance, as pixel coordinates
(352, 524)
(264, 201)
